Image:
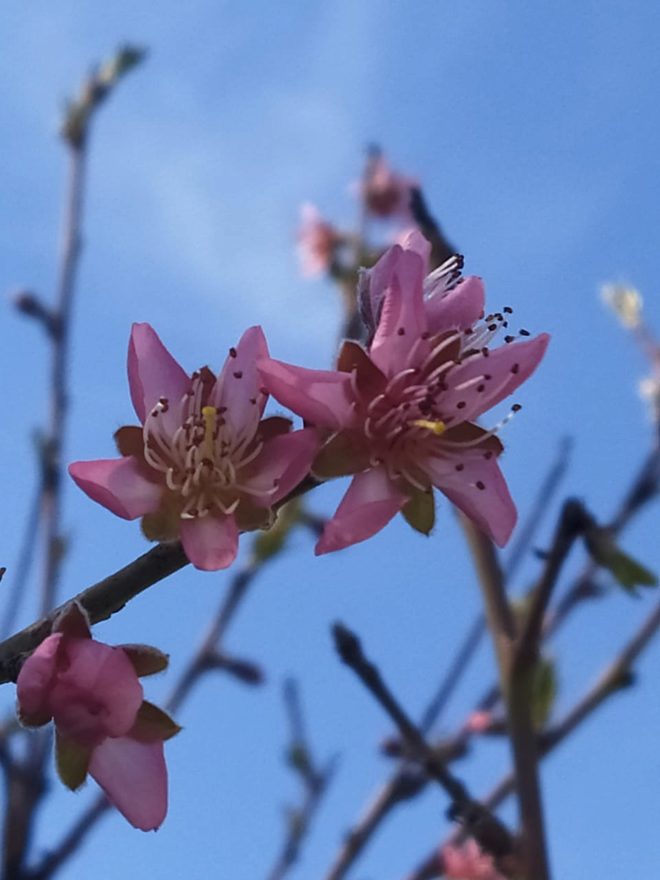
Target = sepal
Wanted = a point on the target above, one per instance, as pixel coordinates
(153, 725)
(145, 659)
(72, 761)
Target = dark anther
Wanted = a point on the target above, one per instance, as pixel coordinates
(507, 310)
(238, 374)
(492, 327)
(425, 334)
(487, 377)
(232, 352)
(524, 333)
(509, 338)
(516, 407)
(460, 467)
(253, 401)
(485, 352)
(481, 388)
(488, 454)
(481, 486)
(460, 404)
(515, 369)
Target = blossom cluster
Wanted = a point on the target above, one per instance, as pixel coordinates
(398, 414)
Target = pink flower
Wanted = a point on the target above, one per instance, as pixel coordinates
(317, 242)
(204, 465)
(103, 726)
(467, 862)
(385, 192)
(401, 415)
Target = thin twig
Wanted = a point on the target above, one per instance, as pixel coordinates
(486, 828)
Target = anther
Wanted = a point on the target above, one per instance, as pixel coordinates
(460, 467)
(507, 310)
(524, 333)
(461, 404)
(238, 374)
(401, 331)
(516, 407)
(481, 388)
(481, 486)
(232, 352)
(509, 338)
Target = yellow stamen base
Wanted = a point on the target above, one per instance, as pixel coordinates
(210, 416)
(436, 428)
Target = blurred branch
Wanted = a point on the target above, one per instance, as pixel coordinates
(616, 677)
(315, 782)
(441, 247)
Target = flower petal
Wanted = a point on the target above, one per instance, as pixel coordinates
(34, 682)
(210, 542)
(152, 371)
(118, 484)
(479, 490)
(403, 318)
(369, 504)
(134, 777)
(480, 383)
(281, 465)
(322, 397)
(239, 385)
(458, 309)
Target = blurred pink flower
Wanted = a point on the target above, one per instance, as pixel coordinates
(204, 464)
(92, 693)
(317, 242)
(467, 862)
(385, 193)
(402, 413)
(479, 722)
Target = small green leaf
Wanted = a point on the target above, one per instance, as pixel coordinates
(72, 761)
(627, 571)
(153, 724)
(419, 511)
(544, 691)
(145, 659)
(271, 542)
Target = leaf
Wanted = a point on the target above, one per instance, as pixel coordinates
(271, 542)
(153, 724)
(72, 761)
(344, 454)
(145, 659)
(627, 571)
(419, 511)
(544, 691)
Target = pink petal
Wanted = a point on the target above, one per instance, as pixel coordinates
(238, 386)
(210, 542)
(118, 484)
(491, 507)
(322, 397)
(152, 371)
(109, 677)
(283, 462)
(134, 777)
(413, 240)
(403, 318)
(369, 504)
(504, 370)
(458, 309)
(35, 679)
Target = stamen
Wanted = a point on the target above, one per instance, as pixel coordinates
(438, 428)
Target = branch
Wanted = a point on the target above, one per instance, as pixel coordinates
(486, 828)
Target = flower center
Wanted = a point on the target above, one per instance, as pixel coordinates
(199, 451)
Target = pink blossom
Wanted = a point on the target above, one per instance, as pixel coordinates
(385, 192)
(467, 862)
(103, 726)
(401, 415)
(317, 242)
(204, 465)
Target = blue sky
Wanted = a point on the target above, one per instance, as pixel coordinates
(534, 130)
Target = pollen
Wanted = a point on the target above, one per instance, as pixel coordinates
(438, 428)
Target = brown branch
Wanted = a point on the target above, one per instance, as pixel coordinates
(616, 677)
(486, 828)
